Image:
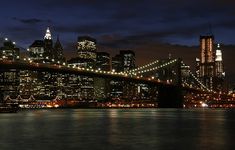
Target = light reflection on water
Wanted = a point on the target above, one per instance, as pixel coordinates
(118, 129)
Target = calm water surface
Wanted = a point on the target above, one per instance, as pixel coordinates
(116, 129)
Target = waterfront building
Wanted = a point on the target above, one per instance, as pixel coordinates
(9, 78)
(101, 85)
(9, 51)
(123, 62)
(44, 85)
(86, 58)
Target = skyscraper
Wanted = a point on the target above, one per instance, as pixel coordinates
(46, 85)
(48, 44)
(207, 60)
(86, 58)
(123, 62)
(219, 70)
(211, 71)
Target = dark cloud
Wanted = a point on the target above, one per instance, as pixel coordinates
(31, 21)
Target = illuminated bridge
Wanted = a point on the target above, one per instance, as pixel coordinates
(170, 78)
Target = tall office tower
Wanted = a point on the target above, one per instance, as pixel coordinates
(86, 58)
(48, 44)
(101, 85)
(58, 52)
(207, 60)
(219, 69)
(123, 62)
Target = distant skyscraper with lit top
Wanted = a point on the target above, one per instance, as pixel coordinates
(210, 64)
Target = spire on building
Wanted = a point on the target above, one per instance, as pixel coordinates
(58, 50)
(48, 34)
(58, 44)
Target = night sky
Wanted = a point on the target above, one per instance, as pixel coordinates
(152, 28)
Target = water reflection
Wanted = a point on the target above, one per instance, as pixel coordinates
(118, 129)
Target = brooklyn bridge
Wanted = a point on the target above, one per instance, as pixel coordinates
(170, 88)
(44, 74)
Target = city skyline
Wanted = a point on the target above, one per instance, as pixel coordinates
(163, 28)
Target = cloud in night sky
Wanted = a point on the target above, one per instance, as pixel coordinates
(152, 28)
(31, 21)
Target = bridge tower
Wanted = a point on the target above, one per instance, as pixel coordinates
(172, 96)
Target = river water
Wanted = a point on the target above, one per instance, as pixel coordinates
(118, 129)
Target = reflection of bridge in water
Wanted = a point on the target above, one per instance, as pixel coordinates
(170, 80)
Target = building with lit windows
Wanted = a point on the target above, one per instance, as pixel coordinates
(86, 48)
(86, 58)
(101, 85)
(9, 51)
(43, 84)
(211, 71)
(45, 52)
(103, 61)
(48, 45)
(36, 51)
(207, 60)
(123, 62)
(219, 69)
(9, 78)
(128, 60)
